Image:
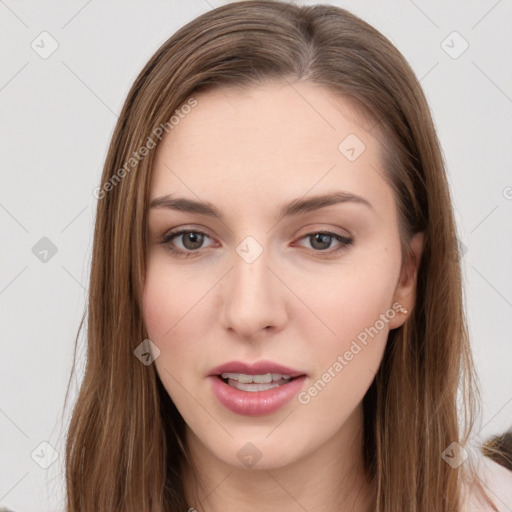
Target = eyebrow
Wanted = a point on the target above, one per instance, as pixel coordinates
(294, 207)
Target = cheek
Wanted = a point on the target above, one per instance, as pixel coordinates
(354, 300)
(167, 299)
(159, 309)
(165, 305)
(357, 311)
(176, 316)
(167, 309)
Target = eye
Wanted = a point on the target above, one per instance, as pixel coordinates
(321, 240)
(191, 241)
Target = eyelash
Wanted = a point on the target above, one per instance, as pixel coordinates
(345, 242)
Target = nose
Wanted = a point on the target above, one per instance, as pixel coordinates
(253, 298)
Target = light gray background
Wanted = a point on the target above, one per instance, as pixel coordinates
(57, 116)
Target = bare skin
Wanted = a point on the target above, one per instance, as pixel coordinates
(302, 302)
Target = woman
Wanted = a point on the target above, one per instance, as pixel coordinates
(275, 312)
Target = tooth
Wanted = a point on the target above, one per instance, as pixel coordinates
(233, 376)
(245, 379)
(262, 379)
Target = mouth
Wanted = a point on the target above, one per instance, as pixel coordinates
(255, 383)
(255, 389)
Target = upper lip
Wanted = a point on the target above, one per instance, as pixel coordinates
(258, 368)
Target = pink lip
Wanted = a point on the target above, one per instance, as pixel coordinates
(255, 403)
(259, 368)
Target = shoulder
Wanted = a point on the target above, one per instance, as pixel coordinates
(494, 480)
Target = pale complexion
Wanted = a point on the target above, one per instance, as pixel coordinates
(300, 303)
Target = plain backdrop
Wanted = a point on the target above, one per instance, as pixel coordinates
(57, 115)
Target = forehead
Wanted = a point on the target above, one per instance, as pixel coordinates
(272, 140)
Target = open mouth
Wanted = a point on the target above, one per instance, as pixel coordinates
(259, 382)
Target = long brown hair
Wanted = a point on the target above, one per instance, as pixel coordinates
(125, 446)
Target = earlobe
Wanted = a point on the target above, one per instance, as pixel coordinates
(405, 293)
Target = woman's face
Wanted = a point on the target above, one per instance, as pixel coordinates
(260, 286)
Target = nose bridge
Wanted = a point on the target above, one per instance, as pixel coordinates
(251, 297)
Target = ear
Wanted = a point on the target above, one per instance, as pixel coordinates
(405, 292)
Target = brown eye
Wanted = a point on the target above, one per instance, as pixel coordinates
(191, 241)
(321, 241)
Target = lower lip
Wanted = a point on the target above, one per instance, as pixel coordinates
(255, 403)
